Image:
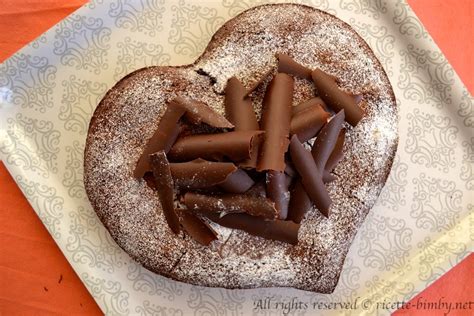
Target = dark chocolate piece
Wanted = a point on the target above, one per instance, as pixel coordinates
(258, 189)
(308, 103)
(335, 97)
(198, 229)
(237, 182)
(299, 203)
(255, 146)
(235, 146)
(288, 65)
(163, 138)
(325, 142)
(198, 112)
(200, 174)
(328, 177)
(290, 170)
(165, 188)
(311, 177)
(230, 203)
(276, 119)
(336, 154)
(286, 231)
(277, 191)
(324, 148)
(306, 123)
(299, 199)
(238, 107)
(239, 110)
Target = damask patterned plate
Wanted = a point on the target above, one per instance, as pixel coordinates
(421, 225)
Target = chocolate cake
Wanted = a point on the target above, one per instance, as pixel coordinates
(160, 129)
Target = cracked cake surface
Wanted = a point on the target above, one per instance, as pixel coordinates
(244, 47)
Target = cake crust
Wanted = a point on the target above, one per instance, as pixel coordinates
(244, 47)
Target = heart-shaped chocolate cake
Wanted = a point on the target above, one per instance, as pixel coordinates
(255, 165)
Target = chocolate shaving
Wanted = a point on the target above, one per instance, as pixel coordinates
(198, 229)
(299, 203)
(328, 177)
(306, 123)
(163, 138)
(290, 170)
(198, 112)
(237, 182)
(236, 146)
(299, 199)
(230, 203)
(200, 174)
(164, 185)
(336, 154)
(276, 123)
(311, 177)
(335, 97)
(240, 112)
(309, 103)
(326, 141)
(285, 231)
(288, 65)
(238, 107)
(258, 190)
(277, 191)
(255, 146)
(327, 147)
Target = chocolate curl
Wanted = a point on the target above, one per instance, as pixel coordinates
(299, 199)
(164, 185)
(328, 177)
(240, 112)
(299, 203)
(258, 190)
(307, 104)
(277, 191)
(198, 112)
(198, 229)
(288, 65)
(239, 108)
(290, 173)
(276, 123)
(200, 174)
(326, 141)
(337, 98)
(290, 170)
(230, 203)
(237, 182)
(336, 154)
(306, 123)
(236, 146)
(285, 231)
(255, 146)
(326, 152)
(311, 177)
(163, 138)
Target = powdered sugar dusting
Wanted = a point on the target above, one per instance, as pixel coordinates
(245, 47)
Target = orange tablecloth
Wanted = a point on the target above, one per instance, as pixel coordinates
(36, 279)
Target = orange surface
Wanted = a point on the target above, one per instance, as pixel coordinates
(31, 265)
(453, 288)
